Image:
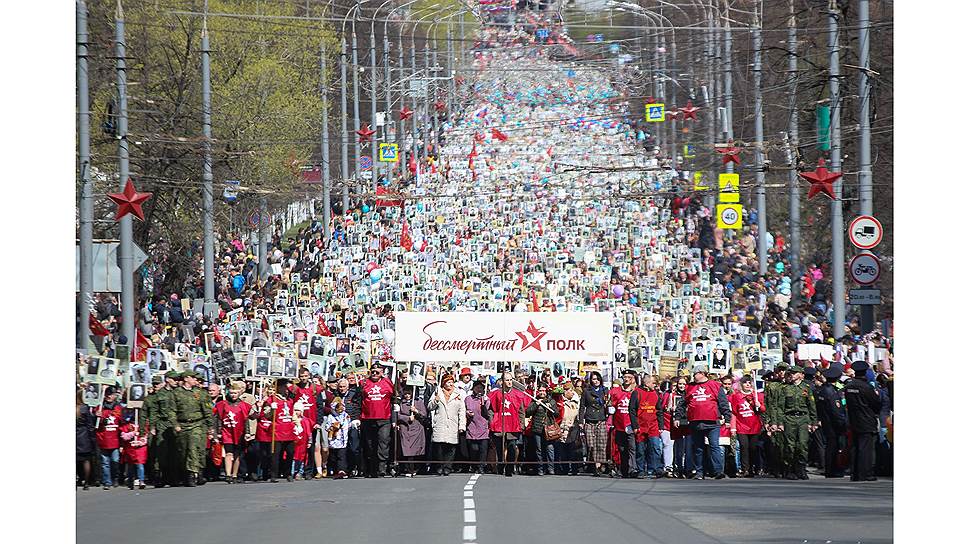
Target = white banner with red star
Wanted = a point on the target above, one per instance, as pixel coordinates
(503, 336)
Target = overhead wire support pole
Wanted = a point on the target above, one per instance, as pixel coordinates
(865, 177)
(792, 144)
(86, 212)
(836, 206)
(126, 247)
(759, 159)
(207, 189)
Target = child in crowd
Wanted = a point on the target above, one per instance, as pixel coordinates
(337, 424)
(303, 432)
(134, 452)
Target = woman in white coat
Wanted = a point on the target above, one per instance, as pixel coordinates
(449, 420)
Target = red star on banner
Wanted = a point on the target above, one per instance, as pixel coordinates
(440, 106)
(406, 113)
(366, 134)
(689, 112)
(129, 201)
(730, 153)
(821, 181)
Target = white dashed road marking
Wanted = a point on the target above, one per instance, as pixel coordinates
(470, 515)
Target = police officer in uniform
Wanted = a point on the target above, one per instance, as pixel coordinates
(798, 418)
(774, 443)
(154, 417)
(833, 419)
(863, 407)
(818, 442)
(193, 423)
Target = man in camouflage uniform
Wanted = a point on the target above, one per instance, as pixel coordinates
(798, 417)
(774, 450)
(192, 424)
(154, 417)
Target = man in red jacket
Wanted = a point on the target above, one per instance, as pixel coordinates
(508, 404)
(108, 435)
(378, 397)
(644, 403)
(706, 409)
(623, 423)
(747, 407)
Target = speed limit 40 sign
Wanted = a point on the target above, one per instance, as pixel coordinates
(729, 216)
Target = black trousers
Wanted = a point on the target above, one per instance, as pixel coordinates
(749, 451)
(477, 453)
(263, 458)
(376, 445)
(505, 442)
(337, 456)
(834, 443)
(289, 448)
(626, 451)
(862, 456)
(444, 452)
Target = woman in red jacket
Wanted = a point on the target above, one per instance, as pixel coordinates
(680, 436)
(108, 436)
(302, 430)
(748, 407)
(134, 453)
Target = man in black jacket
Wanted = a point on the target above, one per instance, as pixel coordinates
(833, 419)
(863, 407)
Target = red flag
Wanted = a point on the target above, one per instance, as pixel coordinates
(380, 203)
(141, 345)
(470, 157)
(321, 328)
(478, 137)
(412, 164)
(405, 241)
(97, 328)
(495, 133)
(521, 274)
(534, 302)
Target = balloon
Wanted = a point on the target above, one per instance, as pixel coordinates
(366, 208)
(420, 206)
(376, 275)
(618, 290)
(388, 335)
(371, 266)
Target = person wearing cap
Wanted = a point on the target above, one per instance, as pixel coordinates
(479, 414)
(378, 398)
(705, 408)
(747, 407)
(192, 409)
(155, 413)
(775, 450)
(624, 424)
(833, 419)
(507, 423)
(230, 418)
(108, 436)
(797, 413)
(465, 384)
(863, 409)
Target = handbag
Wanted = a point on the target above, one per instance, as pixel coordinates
(552, 431)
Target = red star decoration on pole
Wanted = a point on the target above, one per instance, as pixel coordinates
(129, 201)
(821, 180)
(406, 113)
(366, 134)
(689, 112)
(440, 106)
(730, 153)
(672, 113)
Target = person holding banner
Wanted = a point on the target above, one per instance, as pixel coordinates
(449, 419)
(705, 408)
(479, 414)
(507, 424)
(408, 419)
(230, 417)
(109, 417)
(378, 398)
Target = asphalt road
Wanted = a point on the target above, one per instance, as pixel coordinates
(494, 509)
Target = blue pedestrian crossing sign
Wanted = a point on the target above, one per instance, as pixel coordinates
(655, 113)
(366, 162)
(389, 153)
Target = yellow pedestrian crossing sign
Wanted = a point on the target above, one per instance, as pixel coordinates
(389, 152)
(698, 183)
(729, 216)
(655, 113)
(729, 188)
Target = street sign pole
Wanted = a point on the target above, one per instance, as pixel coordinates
(207, 197)
(836, 207)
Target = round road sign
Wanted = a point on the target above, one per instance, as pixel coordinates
(729, 216)
(865, 269)
(865, 232)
